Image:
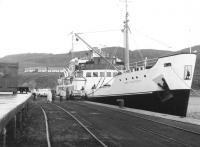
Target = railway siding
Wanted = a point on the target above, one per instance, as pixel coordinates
(113, 127)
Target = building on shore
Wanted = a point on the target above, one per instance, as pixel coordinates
(44, 69)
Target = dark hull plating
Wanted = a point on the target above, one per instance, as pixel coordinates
(172, 102)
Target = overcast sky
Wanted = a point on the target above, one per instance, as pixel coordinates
(44, 26)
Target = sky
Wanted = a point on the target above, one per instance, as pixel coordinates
(45, 26)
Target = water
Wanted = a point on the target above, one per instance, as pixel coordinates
(194, 107)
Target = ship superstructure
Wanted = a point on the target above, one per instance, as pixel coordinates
(87, 73)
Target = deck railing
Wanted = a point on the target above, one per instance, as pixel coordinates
(146, 64)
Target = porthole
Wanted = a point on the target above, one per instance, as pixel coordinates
(126, 78)
(167, 64)
(136, 77)
(145, 76)
(132, 78)
(120, 80)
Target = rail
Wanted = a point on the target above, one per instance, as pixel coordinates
(47, 127)
(82, 125)
(146, 63)
(151, 131)
(48, 138)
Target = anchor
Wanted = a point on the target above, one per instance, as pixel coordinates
(166, 95)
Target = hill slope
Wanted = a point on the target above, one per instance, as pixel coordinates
(60, 60)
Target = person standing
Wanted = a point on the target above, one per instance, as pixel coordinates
(34, 94)
(49, 96)
(53, 95)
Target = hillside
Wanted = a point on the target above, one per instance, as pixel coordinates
(38, 80)
(40, 59)
(61, 60)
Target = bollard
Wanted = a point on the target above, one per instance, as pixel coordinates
(121, 102)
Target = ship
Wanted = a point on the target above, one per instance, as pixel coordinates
(163, 87)
(160, 85)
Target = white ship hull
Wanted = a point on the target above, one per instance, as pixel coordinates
(163, 88)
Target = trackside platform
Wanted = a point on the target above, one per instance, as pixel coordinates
(12, 110)
(191, 121)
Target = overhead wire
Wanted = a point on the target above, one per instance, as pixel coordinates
(100, 31)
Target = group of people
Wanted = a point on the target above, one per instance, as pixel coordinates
(50, 95)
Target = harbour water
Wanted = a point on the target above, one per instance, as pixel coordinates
(194, 107)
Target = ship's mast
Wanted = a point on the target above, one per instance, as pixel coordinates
(72, 46)
(126, 42)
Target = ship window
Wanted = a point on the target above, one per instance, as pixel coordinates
(108, 74)
(102, 74)
(82, 66)
(79, 74)
(114, 74)
(136, 77)
(132, 78)
(88, 74)
(95, 74)
(145, 76)
(126, 78)
(167, 64)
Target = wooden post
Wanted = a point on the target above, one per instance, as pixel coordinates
(4, 137)
(23, 114)
(27, 106)
(14, 127)
(20, 120)
(11, 132)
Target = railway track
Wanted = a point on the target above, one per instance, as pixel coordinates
(150, 127)
(71, 128)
